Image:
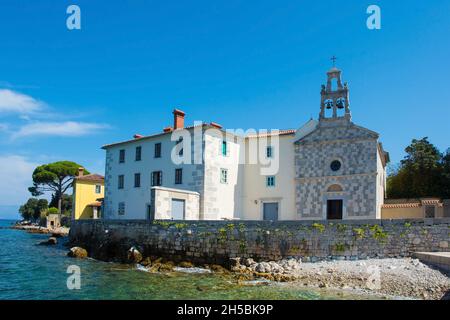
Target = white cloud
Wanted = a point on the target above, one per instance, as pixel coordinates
(15, 102)
(62, 129)
(15, 173)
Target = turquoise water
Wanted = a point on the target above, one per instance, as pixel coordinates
(31, 271)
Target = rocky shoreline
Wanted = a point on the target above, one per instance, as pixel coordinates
(389, 277)
(402, 277)
(32, 228)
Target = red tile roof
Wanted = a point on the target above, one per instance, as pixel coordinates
(95, 204)
(92, 177)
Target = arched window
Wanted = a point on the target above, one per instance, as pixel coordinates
(335, 188)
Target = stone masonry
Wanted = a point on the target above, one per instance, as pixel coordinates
(218, 241)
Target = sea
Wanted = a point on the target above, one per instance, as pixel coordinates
(29, 271)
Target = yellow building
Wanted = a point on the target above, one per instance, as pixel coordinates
(88, 193)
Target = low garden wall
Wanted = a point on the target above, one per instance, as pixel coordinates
(218, 241)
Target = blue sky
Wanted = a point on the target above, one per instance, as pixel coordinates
(243, 64)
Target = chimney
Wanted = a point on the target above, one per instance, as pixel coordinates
(178, 119)
(167, 129)
(80, 172)
(137, 136)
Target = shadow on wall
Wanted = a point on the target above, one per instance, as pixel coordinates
(238, 194)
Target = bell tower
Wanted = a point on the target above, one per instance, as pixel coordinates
(334, 97)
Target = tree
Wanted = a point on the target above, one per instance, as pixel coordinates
(445, 184)
(33, 208)
(55, 177)
(52, 210)
(66, 203)
(420, 173)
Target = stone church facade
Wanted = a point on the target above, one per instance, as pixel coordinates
(329, 168)
(340, 167)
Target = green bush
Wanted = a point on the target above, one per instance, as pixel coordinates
(340, 247)
(319, 227)
(52, 210)
(359, 233)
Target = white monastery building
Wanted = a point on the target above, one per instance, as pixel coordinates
(327, 169)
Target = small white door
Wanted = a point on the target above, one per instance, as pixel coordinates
(178, 209)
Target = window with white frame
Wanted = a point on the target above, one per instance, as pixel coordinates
(224, 148)
(269, 152)
(121, 209)
(158, 150)
(157, 178)
(270, 181)
(122, 156)
(179, 176)
(138, 156)
(137, 180)
(121, 181)
(223, 176)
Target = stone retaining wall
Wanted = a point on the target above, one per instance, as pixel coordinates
(218, 241)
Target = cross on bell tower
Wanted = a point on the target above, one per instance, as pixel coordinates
(333, 58)
(334, 98)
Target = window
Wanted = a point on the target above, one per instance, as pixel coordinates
(122, 156)
(178, 176)
(98, 188)
(179, 146)
(138, 153)
(121, 181)
(429, 212)
(156, 178)
(223, 176)
(335, 165)
(121, 210)
(224, 148)
(269, 152)
(137, 180)
(270, 181)
(157, 150)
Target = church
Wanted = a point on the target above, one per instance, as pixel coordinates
(340, 166)
(328, 169)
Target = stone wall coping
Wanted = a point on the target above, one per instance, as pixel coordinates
(176, 190)
(273, 223)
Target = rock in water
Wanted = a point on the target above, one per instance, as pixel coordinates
(185, 264)
(77, 252)
(147, 262)
(134, 256)
(50, 241)
(234, 263)
(218, 268)
(248, 262)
